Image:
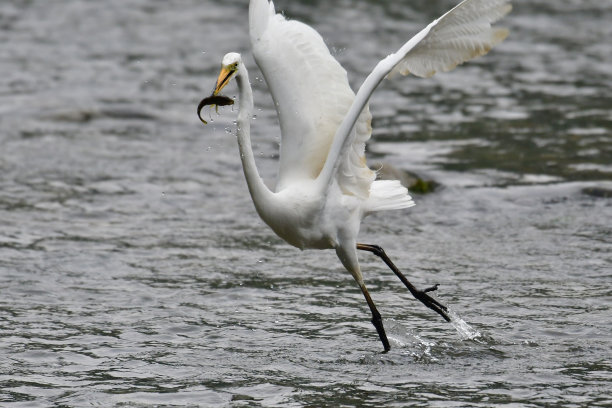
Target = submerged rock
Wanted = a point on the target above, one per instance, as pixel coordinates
(598, 192)
(412, 181)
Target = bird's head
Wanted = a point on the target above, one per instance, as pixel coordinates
(229, 68)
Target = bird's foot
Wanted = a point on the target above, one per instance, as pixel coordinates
(421, 295)
(432, 303)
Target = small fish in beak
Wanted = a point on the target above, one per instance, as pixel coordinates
(213, 100)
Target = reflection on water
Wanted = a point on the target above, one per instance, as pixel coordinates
(134, 270)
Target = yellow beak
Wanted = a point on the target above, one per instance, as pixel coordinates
(224, 77)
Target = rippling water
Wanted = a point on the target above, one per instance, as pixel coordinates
(135, 272)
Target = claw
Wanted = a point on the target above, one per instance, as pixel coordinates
(432, 303)
(431, 288)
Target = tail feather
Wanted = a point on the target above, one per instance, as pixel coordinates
(388, 195)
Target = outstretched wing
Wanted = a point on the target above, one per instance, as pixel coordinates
(312, 95)
(463, 33)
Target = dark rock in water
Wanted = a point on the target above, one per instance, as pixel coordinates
(423, 186)
(85, 115)
(599, 192)
(242, 397)
(411, 181)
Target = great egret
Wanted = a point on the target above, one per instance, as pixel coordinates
(324, 186)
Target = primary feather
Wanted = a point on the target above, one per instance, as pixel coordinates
(463, 33)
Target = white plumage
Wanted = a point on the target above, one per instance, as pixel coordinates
(311, 109)
(461, 34)
(324, 186)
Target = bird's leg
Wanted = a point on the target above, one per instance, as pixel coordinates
(376, 319)
(421, 295)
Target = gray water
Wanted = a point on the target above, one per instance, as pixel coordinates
(134, 270)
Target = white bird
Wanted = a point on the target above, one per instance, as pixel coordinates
(324, 187)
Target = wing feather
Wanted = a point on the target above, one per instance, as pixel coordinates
(312, 95)
(324, 126)
(463, 33)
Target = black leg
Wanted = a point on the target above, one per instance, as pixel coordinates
(376, 319)
(421, 295)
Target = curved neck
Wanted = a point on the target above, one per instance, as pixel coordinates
(259, 191)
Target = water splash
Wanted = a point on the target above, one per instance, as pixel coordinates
(407, 340)
(465, 331)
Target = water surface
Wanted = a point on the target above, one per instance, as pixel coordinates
(134, 270)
